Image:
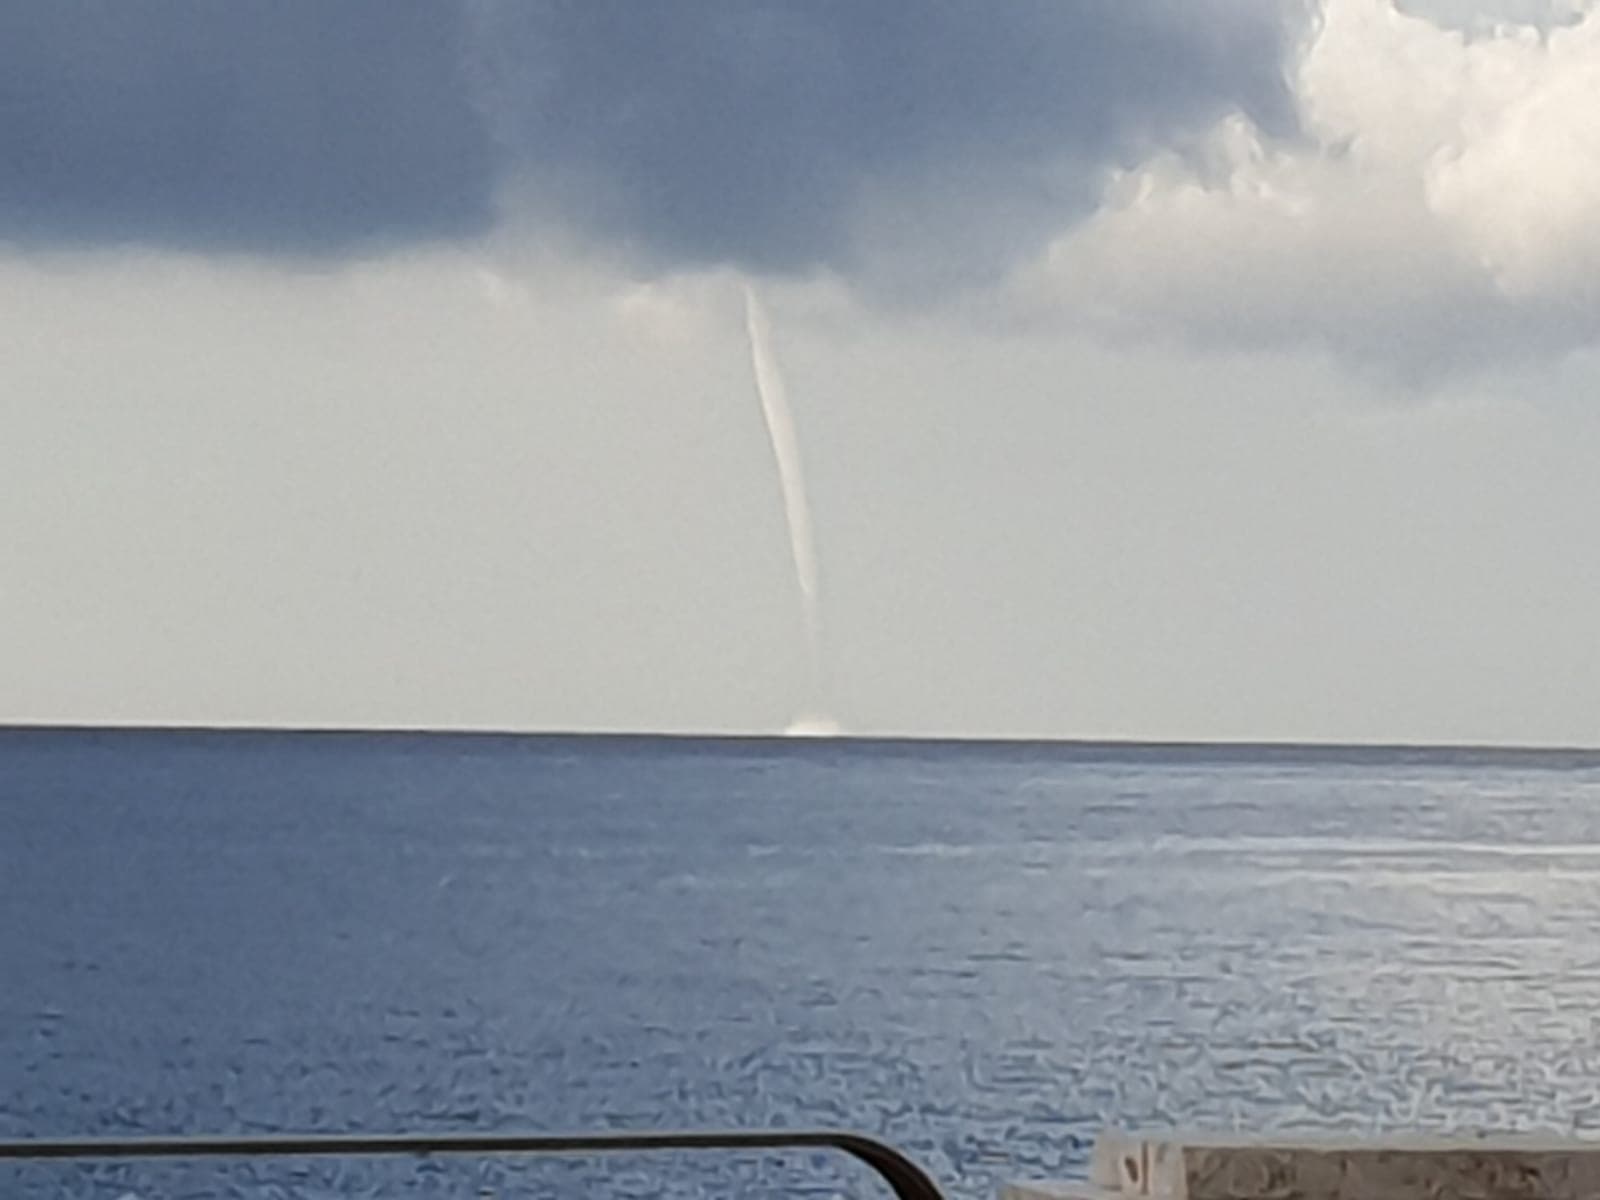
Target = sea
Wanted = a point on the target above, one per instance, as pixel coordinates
(981, 952)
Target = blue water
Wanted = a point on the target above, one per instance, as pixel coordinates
(982, 953)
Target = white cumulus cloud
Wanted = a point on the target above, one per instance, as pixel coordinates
(1440, 206)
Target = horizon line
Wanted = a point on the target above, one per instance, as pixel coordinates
(778, 735)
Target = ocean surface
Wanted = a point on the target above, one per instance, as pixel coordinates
(982, 953)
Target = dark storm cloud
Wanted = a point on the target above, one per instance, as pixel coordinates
(304, 125)
(754, 132)
(749, 131)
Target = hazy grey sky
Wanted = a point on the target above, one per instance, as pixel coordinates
(1217, 369)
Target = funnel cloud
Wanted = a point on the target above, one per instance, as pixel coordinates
(813, 717)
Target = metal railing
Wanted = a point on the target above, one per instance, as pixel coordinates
(905, 1178)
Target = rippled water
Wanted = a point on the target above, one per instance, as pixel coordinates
(982, 953)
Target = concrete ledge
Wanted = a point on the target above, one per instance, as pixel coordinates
(1220, 1167)
(1056, 1189)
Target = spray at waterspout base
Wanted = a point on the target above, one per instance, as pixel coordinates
(812, 725)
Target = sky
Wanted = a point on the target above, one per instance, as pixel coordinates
(1171, 369)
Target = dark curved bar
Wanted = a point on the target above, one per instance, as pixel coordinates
(905, 1178)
